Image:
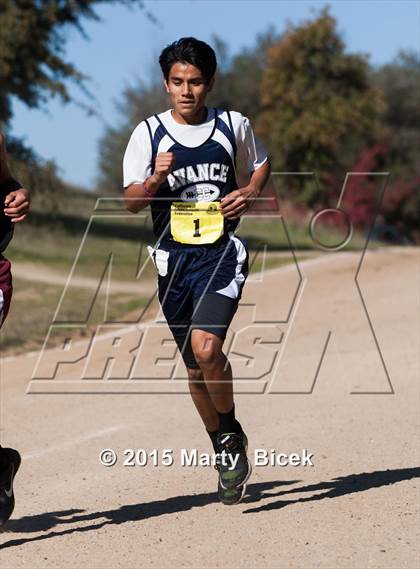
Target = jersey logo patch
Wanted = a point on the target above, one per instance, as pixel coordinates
(200, 193)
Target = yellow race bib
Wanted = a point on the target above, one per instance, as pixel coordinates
(196, 223)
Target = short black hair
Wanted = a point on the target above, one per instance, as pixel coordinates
(189, 50)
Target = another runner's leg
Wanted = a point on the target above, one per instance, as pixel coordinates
(9, 458)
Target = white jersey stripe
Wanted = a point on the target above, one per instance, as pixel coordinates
(222, 139)
(153, 123)
(165, 144)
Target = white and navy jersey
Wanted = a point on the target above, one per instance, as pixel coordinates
(205, 160)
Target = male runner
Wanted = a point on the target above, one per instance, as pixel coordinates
(16, 202)
(182, 162)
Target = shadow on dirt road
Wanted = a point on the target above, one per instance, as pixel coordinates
(255, 493)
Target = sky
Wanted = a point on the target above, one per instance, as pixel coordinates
(125, 45)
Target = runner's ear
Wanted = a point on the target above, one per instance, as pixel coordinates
(210, 84)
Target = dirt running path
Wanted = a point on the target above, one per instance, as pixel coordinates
(44, 274)
(357, 507)
(34, 273)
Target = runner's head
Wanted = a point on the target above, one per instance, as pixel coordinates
(188, 66)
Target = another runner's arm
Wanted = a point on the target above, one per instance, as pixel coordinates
(14, 197)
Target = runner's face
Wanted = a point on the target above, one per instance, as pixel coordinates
(187, 90)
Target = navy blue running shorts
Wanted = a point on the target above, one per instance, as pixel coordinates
(200, 287)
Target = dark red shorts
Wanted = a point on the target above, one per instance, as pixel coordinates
(5, 288)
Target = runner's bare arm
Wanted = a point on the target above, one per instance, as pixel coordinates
(138, 196)
(239, 201)
(17, 199)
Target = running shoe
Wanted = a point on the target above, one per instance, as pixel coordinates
(231, 496)
(234, 466)
(7, 498)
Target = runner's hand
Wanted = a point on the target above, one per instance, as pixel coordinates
(237, 202)
(17, 205)
(165, 161)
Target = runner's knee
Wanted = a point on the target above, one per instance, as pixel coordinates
(206, 348)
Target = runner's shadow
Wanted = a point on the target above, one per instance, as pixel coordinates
(137, 512)
(42, 522)
(130, 513)
(259, 490)
(339, 487)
